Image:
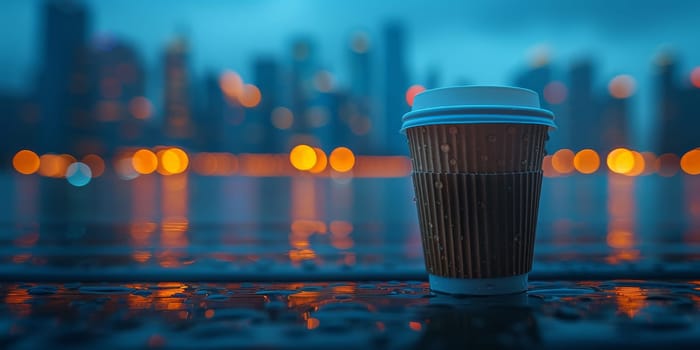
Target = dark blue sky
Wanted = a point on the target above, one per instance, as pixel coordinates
(482, 41)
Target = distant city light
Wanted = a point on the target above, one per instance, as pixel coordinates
(214, 164)
(637, 166)
(172, 161)
(622, 86)
(303, 157)
(52, 165)
(321, 161)
(555, 92)
(412, 92)
(140, 107)
(96, 164)
(123, 166)
(620, 239)
(78, 174)
(250, 97)
(650, 163)
(144, 161)
(563, 161)
(342, 159)
(360, 42)
(231, 84)
(620, 160)
(695, 77)
(587, 161)
(282, 118)
(26, 162)
(317, 116)
(539, 55)
(547, 168)
(360, 125)
(668, 164)
(690, 162)
(324, 81)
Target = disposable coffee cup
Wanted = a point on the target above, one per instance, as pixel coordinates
(477, 156)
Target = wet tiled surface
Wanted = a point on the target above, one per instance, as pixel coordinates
(360, 315)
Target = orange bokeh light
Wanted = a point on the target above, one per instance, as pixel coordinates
(667, 164)
(563, 161)
(140, 107)
(231, 84)
(321, 161)
(412, 92)
(26, 162)
(342, 159)
(555, 92)
(650, 164)
(95, 163)
(250, 97)
(587, 161)
(622, 86)
(172, 161)
(547, 169)
(690, 162)
(303, 157)
(695, 77)
(144, 161)
(52, 165)
(282, 118)
(638, 165)
(620, 160)
(620, 239)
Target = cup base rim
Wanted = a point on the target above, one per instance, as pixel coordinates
(479, 286)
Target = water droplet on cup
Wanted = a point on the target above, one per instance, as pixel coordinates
(452, 130)
(491, 138)
(445, 148)
(484, 157)
(438, 184)
(453, 162)
(511, 130)
(526, 138)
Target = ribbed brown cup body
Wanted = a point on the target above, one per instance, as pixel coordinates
(477, 193)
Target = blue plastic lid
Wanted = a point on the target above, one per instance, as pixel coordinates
(477, 105)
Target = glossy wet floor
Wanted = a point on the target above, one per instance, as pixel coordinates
(394, 315)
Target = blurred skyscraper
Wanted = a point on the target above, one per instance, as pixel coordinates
(358, 112)
(615, 128)
(678, 105)
(269, 139)
(210, 119)
(395, 86)
(177, 110)
(65, 79)
(121, 108)
(584, 118)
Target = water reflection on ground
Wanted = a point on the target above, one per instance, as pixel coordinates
(189, 227)
(386, 315)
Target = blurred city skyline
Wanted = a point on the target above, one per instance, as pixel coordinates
(294, 68)
(228, 33)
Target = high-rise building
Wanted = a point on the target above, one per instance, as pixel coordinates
(583, 112)
(395, 86)
(121, 109)
(667, 104)
(177, 109)
(301, 80)
(615, 118)
(266, 76)
(356, 114)
(211, 128)
(65, 78)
